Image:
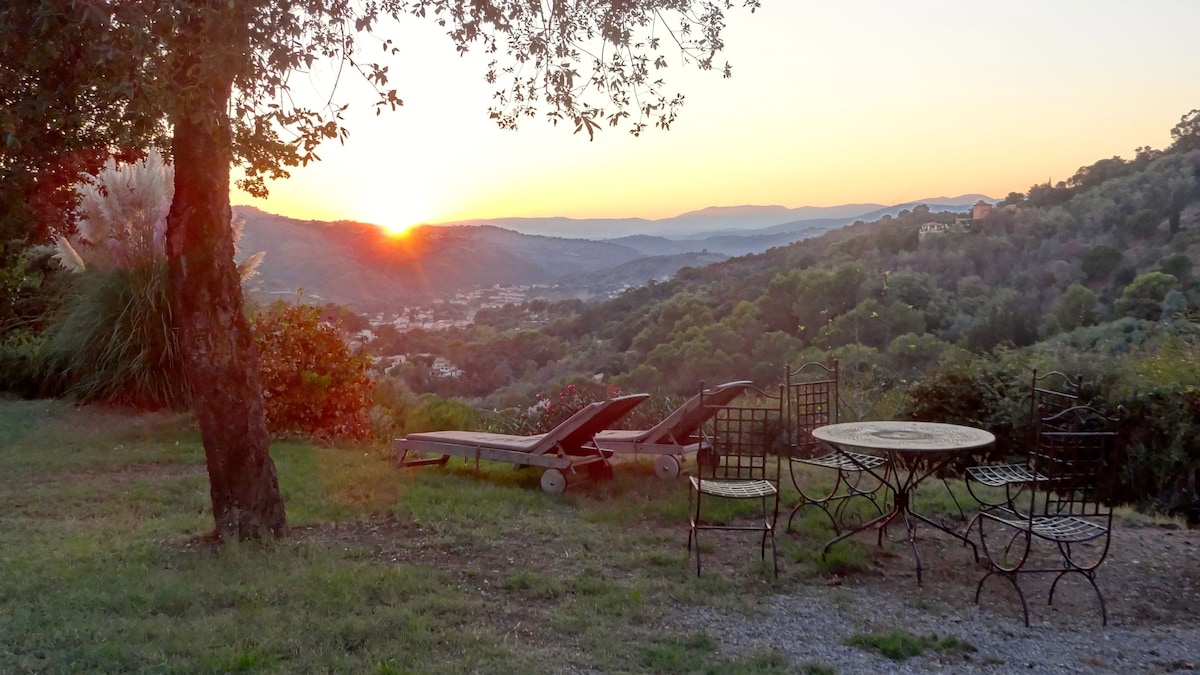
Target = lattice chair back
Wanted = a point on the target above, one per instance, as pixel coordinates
(1052, 393)
(1075, 451)
(812, 401)
(743, 442)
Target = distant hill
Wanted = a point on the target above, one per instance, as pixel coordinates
(359, 265)
(711, 221)
(597, 285)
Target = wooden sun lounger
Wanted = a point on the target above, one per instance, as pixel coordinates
(677, 434)
(563, 449)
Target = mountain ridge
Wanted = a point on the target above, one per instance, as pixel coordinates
(360, 265)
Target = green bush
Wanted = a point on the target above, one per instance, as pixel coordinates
(312, 383)
(393, 404)
(980, 391)
(20, 370)
(1158, 390)
(1161, 466)
(1148, 375)
(442, 414)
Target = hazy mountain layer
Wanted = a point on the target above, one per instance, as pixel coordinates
(360, 265)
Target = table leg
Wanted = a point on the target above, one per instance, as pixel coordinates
(881, 521)
(902, 490)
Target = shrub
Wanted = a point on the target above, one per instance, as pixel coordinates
(1145, 373)
(312, 383)
(547, 412)
(980, 391)
(441, 414)
(1160, 397)
(28, 277)
(20, 352)
(393, 405)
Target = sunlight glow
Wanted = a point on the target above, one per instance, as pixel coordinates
(863, 128)
(396, 229)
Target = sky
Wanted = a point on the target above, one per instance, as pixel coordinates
(862, 101)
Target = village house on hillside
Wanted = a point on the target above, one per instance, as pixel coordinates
(979, 211)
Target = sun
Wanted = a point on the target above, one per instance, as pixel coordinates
(396, 229)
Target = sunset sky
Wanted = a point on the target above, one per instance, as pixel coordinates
(830, 103)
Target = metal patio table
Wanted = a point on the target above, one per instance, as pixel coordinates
(917, 450)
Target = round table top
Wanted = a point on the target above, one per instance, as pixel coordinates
(904, 436)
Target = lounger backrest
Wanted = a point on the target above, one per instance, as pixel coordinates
(686, 420)
(579, 428)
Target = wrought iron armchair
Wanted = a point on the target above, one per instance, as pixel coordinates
(812, 401)
(1066, 506)
(1049, 394)
(739, 460)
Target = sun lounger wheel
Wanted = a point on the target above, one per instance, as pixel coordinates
(554, 482)
(666, 467)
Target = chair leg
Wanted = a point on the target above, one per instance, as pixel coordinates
(771, 530)
(1012, 580)
(806, 502)
(693, 532)
(1090, 575)
(819, 502)
(697, 552)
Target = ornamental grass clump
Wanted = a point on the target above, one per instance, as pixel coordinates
(114, 338)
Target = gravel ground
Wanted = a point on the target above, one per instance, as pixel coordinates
(1150, 580)
(812, 627)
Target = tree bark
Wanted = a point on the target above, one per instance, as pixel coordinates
(220, 360)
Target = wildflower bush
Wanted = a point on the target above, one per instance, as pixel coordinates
(547, 412)
(312, 383)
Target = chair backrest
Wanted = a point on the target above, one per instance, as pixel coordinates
(684, 422)
(811, 393)
(1075, 451)
(1052, 393)
(743, 442)
(578, 429)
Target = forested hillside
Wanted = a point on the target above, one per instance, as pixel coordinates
(1113, 244)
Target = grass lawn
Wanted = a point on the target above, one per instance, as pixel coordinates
(106, 569)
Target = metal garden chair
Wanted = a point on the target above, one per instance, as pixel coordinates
(1066, 506)
(812, 401)
(739, 461)
(1049, 394)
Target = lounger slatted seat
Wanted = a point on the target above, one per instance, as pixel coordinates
(677, 434)
(564, 449)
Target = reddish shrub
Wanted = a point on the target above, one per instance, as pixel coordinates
(312, 383)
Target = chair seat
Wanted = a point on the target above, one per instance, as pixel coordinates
(999, 475)
(1065, 529)
(844, 461)
(735, 489)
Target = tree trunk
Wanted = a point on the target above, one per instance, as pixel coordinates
(221, 362)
